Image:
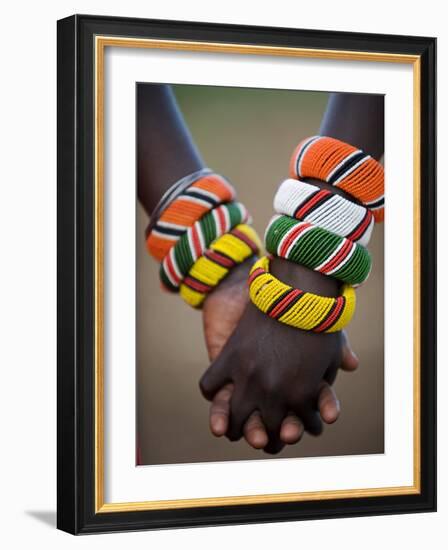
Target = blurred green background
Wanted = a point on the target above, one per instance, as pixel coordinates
(247, 135)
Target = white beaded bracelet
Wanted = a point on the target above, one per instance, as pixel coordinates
(325, 209)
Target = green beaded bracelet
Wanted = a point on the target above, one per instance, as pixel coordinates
(318, 249)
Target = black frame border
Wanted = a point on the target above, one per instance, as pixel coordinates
(76, 262)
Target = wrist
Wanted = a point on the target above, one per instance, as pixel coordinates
(332, 188)
(299, 276)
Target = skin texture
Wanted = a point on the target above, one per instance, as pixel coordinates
(277, 372)
(221, 313)
(357, 119)
(162, 137)
(166, 150)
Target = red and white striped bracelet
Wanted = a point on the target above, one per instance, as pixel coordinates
(307, 202)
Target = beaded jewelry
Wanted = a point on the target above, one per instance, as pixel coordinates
(224, 254)
(343, 166)
(322, 208)
(172, 193)
(201, 196)
(294, 307)
(318, 249)
(192, 244)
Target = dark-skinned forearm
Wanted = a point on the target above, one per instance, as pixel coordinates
(166, 151)
(357, 119)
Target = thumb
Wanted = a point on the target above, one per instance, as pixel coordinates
(349, 360)
(216, 376)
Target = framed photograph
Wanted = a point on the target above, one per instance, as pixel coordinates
(246, 274)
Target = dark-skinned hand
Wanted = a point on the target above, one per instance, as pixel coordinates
(274, 423)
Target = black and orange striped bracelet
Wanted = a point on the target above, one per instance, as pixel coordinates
(344, 166)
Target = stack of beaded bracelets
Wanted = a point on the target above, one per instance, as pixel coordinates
(205, 192)
(200, 234)
(322, 231)
(224, 254)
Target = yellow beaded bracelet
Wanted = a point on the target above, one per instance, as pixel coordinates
(297, 308)
(224, 254)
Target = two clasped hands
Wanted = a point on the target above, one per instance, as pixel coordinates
(268, 382)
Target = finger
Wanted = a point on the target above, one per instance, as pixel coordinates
(349, 360)
(312, 422)
(219, 410)
(274, 446)
(308, 414)
(240, 410)
(223, 308)
(254, 431)
(216, 376)
(332, 372)
(328, 404)
(291, 430)
(272, 416)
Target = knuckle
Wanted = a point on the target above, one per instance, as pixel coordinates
(225, 394)
(220, 408)
(253, 423)
(204, 386)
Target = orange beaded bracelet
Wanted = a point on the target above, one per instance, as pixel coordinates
(190, 206)
(343, 166)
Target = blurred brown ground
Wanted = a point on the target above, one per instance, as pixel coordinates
(248, 136)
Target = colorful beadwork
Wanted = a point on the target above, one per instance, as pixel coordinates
(294, 307)
(307, 202)
(318, 249)
(199, 198)
(228, 251)
(193, 243)
(343, 166)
